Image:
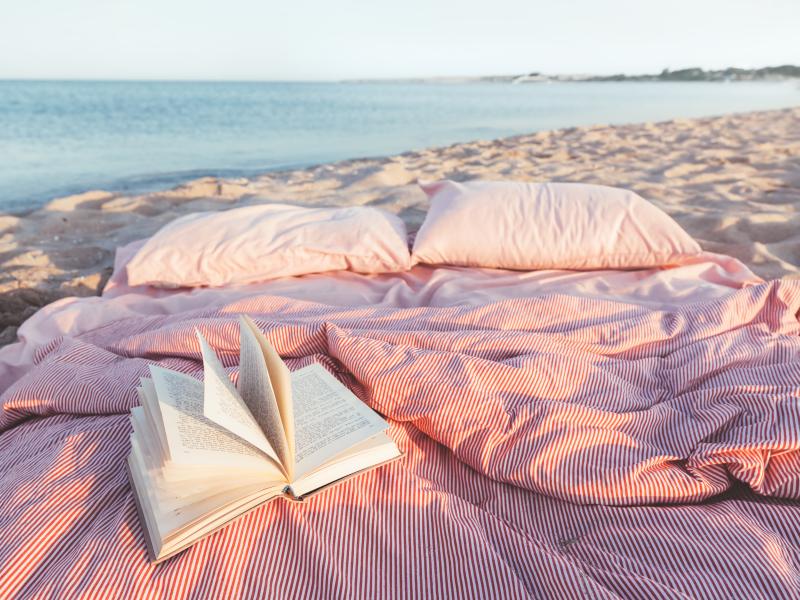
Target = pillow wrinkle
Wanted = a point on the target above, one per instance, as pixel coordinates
(528, 226)
(257, 243)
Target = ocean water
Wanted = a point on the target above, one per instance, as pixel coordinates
(59, 138)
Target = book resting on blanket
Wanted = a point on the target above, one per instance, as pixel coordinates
(205, 453)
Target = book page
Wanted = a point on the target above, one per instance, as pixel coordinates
(223, 405)
(370, 453)
(149, 401)
(255, 388)
(194, 439)
(328, 418)
(171, 525)
(281, 378)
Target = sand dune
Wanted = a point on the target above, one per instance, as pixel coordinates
(732, 182)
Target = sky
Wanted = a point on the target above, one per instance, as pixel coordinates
(352, 39)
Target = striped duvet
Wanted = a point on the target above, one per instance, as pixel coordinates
(555, 446)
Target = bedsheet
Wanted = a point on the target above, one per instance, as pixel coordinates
(709, 276)
(557, 443)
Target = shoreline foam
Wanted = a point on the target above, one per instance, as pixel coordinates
(733, 182)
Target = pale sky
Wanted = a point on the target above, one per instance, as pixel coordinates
(339, 39)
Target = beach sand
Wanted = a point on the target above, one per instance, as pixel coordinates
(733, 182)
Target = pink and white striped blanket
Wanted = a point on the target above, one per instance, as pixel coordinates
(556, 446)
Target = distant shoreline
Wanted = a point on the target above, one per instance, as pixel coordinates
(691, 74)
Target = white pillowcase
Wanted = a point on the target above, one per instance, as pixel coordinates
(257, 243)
(527, 226)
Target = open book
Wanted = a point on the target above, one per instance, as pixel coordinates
(204, 453)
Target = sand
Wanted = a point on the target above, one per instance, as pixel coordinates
(733, 182)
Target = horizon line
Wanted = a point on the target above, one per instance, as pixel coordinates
(420, 78)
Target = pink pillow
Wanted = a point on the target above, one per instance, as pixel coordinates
(256, 243)
(527, 226)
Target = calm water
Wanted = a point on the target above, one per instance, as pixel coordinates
(59, 138)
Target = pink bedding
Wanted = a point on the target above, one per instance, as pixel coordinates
(711, 276)
(604, 435)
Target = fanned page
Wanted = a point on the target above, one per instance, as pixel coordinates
(329, 419)
(148, 398)
(281, 378)
(223, 405)
(191, 437)
(261, 395)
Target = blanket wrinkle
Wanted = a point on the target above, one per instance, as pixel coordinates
(566, 409)
(465, 516)
(475, 511)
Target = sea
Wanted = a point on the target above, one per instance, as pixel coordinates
(65, 137)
